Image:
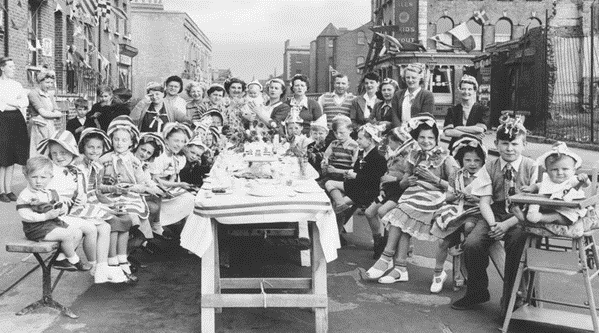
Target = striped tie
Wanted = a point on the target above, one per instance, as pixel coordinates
(509, 185)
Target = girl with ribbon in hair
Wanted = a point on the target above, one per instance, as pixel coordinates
(560, 182)
(178, 203)
(69, 181)
(429, 169)
(399, 145)
(461, 212)
(361, 183)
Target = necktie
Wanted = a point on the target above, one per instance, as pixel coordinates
(385, 111)
(509, 184)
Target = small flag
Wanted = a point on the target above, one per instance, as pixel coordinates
(333, 71)
(463, 36)
(391, 40)
(103, 10)
(481, 17)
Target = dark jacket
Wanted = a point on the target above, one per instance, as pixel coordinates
(108, 113)
(356, 111)
(369, 170)
(424, 101)
(74, 124)
(310, 114)
(378, 115)
(479, 114)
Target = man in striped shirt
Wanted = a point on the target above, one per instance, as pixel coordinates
(337, 102)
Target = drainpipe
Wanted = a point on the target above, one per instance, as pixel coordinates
(6, 28)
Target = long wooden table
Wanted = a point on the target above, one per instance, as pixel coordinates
(240, 208)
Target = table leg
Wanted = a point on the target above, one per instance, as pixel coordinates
(216, 265)
(208, 281)
(304, 254)
(319, 280)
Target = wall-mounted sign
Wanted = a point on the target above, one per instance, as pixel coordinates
(406, 19)
(125, 60)
(47, 47)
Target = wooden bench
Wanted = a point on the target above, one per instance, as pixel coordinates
(37, 248)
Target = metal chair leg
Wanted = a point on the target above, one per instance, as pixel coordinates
(587, 281)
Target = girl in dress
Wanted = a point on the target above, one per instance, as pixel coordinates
(178, 205)
(69, 182)
(561, 182)
(43, 110)
(426, 180)
(361, 184)
(462, 211)
(124, 181)
(399, 145)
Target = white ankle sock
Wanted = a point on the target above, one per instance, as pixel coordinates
(74, 259)
(113, 261)
(122, 258)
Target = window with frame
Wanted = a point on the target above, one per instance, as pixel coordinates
(444, 24)
(330, 42)
(503, 30)
(477, 33)
(361, 38)
(32, 32)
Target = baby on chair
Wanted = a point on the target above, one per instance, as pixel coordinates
(561, 182)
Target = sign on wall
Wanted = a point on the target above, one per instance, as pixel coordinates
(47, 47)
(406, 19)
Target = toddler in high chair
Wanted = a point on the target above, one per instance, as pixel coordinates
(560, 182)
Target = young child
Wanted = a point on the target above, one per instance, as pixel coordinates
(342, 153)
(462, 211)
(399, 145)
(494, 183)
(298, 143)
(194, 171)
(165, 171)
(151, 145)
(429, 169)
(319, 134)
(254, 93)
(40, 210)
(81, 122)
(560, 182)
(124, 181)
(361, 185)
(69, 183)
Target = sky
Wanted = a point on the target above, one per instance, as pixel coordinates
(248, 36)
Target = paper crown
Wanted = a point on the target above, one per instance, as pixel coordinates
(91, 131)
(468, 141)
(169, 127)
(197, 141)
(293, 116)
(373, 131)
(124, 122)
(63, 138)
(153, 137)
(320, 122)
(559, 149)
(421, 118)
(510, 126)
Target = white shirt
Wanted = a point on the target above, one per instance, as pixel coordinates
(81, 120)
(369, 104)
(406, 106)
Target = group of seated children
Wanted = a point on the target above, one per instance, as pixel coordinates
(456, 198)
(108, 183)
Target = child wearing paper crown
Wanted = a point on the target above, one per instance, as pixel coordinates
(461, 211)
(561, 182)
(399, 145)
(319, 131)
(494, 184)
(194, 171)
(298, 143)
(429, 169)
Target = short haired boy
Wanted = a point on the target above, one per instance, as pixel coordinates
(81, 122)
(494, 183)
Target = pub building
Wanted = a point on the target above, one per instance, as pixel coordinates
(416, 21)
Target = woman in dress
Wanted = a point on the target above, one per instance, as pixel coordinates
(14, 143)
(310, 110)
(274, 112)
(215, 100)
(174, 86)
(235, 103)
(412, 100)
(195, 107)
(107, 108)
(468, 117)
(382, 112)
(152, 116)
(43, 110)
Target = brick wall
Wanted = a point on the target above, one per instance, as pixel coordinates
(347, 52)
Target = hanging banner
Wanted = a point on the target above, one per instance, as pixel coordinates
(406, 20)
(47, 47)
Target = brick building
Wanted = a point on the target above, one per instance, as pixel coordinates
(341, 49)
(296, 60)
(38, 33)
(418, 20)
(170, 43)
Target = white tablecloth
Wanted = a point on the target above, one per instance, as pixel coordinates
(240, 207)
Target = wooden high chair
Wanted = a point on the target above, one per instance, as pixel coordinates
(580, 258)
